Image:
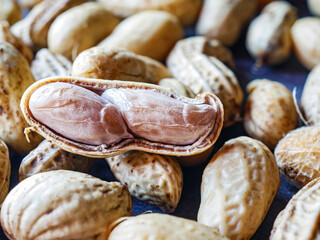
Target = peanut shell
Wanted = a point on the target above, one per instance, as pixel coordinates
(48, 157)
(161, 227)
(152, 178)
(118, 64)
(270, 112)
(9, 11)
(298, 154)
(75, 206)
(177, 86)
(5, 171)
(102, 150)
(141, 32)
(314, 7)
(29, 4)
(238, 187)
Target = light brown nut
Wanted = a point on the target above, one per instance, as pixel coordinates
(177, 86)
(270, 112)
(203, 73)
(63, 205)
(299, 220)
(209, 105)
(29, 4)
(162, 227)
(298, 154)
(80, 28)
(224, 20)
(310, 98)
(5, 171)
(305, 34)
(47, 64)
(238, 187)
(268, 37)
(16, 77)
(149, 33)
(48, 157)
(33, 29)
(314, 7)
(7, 36)
(152, 178)
(118, 64)
(186, 10)
(9, 11)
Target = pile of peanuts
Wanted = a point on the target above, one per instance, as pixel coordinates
(118, 81)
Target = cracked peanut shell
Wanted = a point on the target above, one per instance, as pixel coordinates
(63, 205)
(152, 178)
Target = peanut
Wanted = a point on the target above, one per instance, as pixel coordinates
(10, 11)
(5, 171)
(238, 187)
(314, 7)
(177, 86)
(141, 32)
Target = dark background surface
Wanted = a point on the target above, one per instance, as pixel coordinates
(291, 73)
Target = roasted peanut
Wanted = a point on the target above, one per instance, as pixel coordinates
(310, 99)
(152, 178)
(47, 64)
(9, 11)
(299, 220)
(86, 26)
(15, 78)
(5, 171)
(305, 34)
(159, 121)
(63, 205)
(270, 112)
(48, 157)
(7, 36)
(314, 7)
(143, 31)
(161, 226)
(268, 38)
(238, 187)
(224, 20)
(203, 73)
(177, 86)
(118, 64)
(186, 10)
(298, 154)
(33, 29)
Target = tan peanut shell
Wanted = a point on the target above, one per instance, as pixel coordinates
(48, 157)
(80, 28)
(268, 37)
(224, 20)
(186, 10)
(47, 64)
(7, 36)
(118, 64)
(204, 141)
(305, 34)
(63, 205)
(29, 4)
(33, 29)
(298, 154)
(15, 78)
(209, 47)
(238, 187)
(299, 220)
(9, 11)
(177, 86)
(152, 178)
(270, 112)
(203, 73)
(149, 33)
(5, 171)
(310, 98)
(314, 7)
(162, 227)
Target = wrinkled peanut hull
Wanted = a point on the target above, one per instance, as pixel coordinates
(99, 86)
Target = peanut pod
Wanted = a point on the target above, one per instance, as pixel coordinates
(314, 7)
(63, 205)
(48, 157)
(238, 187)
(177, 86)
(5, 171)
(101, 118)
(152, 178)
(9, 11)
(29, 4)
(118, 64)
